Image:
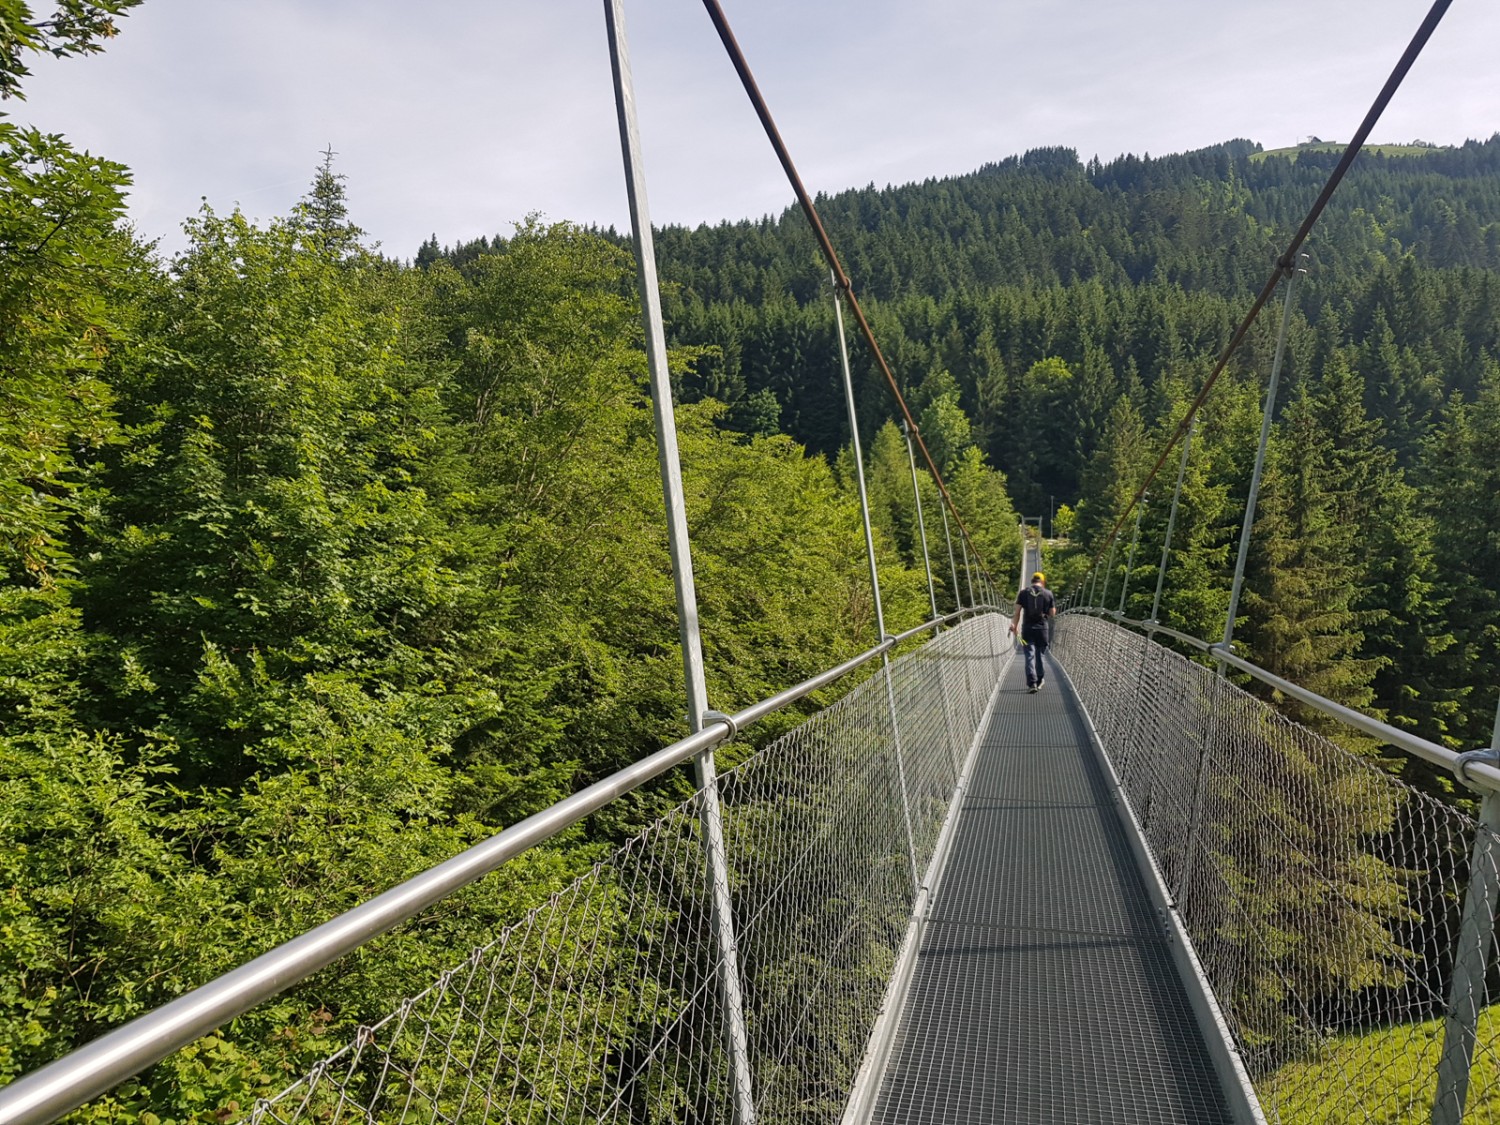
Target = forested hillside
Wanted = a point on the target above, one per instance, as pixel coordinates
(1062, 314)
(317, 567)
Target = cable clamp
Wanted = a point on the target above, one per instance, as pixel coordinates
(711, 717)
(1489, 757)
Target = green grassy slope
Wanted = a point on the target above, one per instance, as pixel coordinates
(1333, 146)
(1385, 1077)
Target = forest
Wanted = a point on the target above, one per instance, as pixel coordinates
(301, 544)
(301, 560)
(1060, 315)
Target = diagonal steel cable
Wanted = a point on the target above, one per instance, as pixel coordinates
(1286, 262)
(825, 244)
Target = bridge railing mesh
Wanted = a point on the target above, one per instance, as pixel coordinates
(603, 1004)
(1323, 895)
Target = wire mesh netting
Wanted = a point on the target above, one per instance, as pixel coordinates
(1323, 895)
(604, 1004)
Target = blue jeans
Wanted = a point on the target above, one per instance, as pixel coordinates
(1035, 637)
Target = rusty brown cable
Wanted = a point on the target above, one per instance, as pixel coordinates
(841, 279)
(1285, 263)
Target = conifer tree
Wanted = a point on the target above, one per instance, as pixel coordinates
(1302, 620)
(1461, 491)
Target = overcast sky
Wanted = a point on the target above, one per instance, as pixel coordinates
(461, 116)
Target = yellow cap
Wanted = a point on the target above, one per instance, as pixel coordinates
(1039, 577)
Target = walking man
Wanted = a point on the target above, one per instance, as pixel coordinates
(1035, 607)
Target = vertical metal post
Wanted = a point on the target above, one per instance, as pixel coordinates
(1135, 540)
(864, 511)
(859, 460)
(945, 698)
(1109, 572)
(1260, 461)
(1137, 699)
(958, 594)
(710, 813)
(1166, 545)
(958, 602)
(911, 459)
(1471, 959)
(968, 570)
(1200, 791)
(1200, 788)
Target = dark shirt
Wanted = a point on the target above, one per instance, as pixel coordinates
(1037, 604)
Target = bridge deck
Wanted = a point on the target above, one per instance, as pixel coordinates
(1045, 990)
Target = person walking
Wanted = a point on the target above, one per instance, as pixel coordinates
(1035, 608)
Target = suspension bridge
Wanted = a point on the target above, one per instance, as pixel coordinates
(1143, 894)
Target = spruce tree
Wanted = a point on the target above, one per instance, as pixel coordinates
(1302, 620)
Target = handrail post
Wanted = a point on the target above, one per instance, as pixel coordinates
(911, 459)
(710, 813)
(1109, 570)
(1166, 543)
(1137, 701)
(1200, 790)
(1260, 459)
(1135, 541)
(963, 541)
(958, 594)
(1471, 958)
(864, 511)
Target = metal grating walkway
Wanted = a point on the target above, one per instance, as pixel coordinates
(1045, 990)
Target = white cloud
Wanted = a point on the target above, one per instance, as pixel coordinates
(462, 117)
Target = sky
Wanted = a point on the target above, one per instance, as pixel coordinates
(460, 117)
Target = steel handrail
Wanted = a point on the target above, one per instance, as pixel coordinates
(1477, 774)
(69, 1082)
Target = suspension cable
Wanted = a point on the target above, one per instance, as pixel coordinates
(841, 279)
(1287, 261)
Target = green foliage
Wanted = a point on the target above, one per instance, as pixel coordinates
(338, 609)
(324, 214)
(1044, 292)
(946, 430)
(266, 520)
(1064, 522)
(1460, 490)
(979, 493)
(76, 27)
(757, 415)
(86, 870)
(57, 213)
(1304, 624)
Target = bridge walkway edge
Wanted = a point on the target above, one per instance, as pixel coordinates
(1052, 982)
